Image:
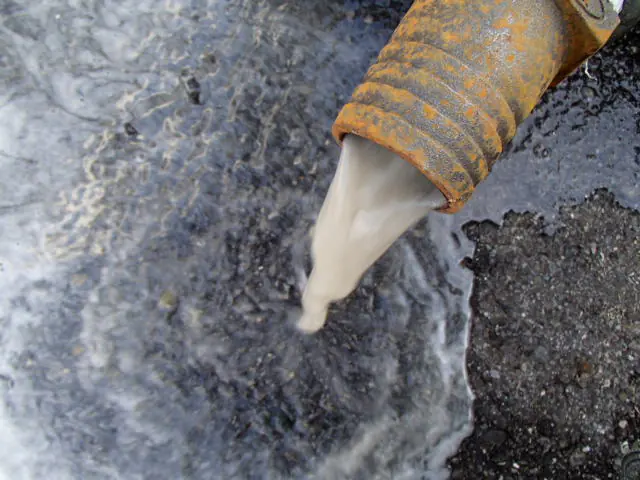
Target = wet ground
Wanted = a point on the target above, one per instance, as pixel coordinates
(165, 164)
(554, 345)
(554, 354)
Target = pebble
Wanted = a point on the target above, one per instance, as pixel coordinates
(168, 301)
(493, 439)
(624, 447)
(577, 458)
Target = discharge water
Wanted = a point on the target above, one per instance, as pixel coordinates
(375, 196)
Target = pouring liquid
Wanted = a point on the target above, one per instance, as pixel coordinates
(375, 196)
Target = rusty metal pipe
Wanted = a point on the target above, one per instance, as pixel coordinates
(457, 77)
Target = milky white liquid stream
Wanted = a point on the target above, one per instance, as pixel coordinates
(375, 196)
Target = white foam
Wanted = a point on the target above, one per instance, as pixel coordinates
(617, 5)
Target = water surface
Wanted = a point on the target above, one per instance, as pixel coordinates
(164, 163)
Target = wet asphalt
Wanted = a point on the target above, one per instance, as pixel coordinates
(554, 357)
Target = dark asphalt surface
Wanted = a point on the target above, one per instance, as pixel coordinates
(555, 344)
(554, 357)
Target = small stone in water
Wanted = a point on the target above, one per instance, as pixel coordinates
(168, 301)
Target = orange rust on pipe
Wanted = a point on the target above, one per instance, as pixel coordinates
(458, 76)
